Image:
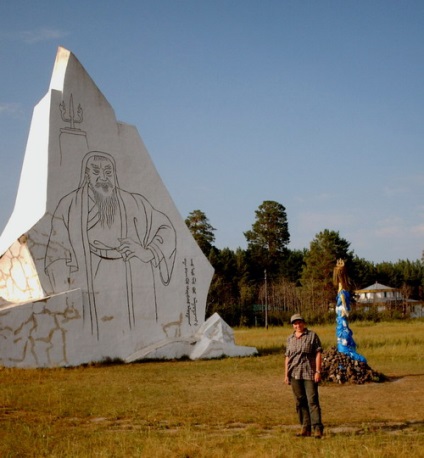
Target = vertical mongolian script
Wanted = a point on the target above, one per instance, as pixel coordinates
(190, 291)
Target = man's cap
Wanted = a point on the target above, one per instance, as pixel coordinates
(296, 317)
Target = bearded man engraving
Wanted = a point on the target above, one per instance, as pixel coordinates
(113, 245)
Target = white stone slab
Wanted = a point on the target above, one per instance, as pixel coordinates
(96, 262)
(216, 339)
(132, 270)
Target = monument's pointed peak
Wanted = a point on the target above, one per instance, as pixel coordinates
(65, 60)
(59, 69)
(68, 73)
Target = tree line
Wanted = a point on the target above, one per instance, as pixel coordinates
(267, 282)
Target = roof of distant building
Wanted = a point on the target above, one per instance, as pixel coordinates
(375, 288)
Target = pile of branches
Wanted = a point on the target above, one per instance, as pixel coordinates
(340, 368)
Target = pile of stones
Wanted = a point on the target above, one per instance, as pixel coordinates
(340, 368)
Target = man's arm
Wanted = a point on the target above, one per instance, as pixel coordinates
(157, 237)
(60, 259)
(130, 249)
(318, 361)
(286, 377)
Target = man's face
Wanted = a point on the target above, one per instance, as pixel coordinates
(299, 325)
(101, 175)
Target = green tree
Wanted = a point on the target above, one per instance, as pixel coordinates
(320, 260)
(362, 273)
(292, 264)
(412, 276)
(388, 274)
(201, 229)
(223, 296)
(269, 236)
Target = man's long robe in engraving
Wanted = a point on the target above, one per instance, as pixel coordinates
(139, 221)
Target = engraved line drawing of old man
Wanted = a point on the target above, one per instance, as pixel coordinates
(113, 245)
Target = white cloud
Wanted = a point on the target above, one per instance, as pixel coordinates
(390, 227)
(391, 191)
(390, 231)
(403, 185)
(326, 220)
(41, 34)
(10, 109)
(397, 228)
(319, 197)
(418, 230)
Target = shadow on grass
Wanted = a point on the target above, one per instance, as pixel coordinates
(266, 351)
(398, 378)
(273, 350)
(411, 427)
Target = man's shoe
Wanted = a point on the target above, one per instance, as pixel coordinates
(304, 433)
(318, 433)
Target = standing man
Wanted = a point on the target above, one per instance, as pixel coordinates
(303, 373)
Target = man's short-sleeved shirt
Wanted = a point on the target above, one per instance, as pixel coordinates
(301, 353)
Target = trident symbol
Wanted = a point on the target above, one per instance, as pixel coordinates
(72, 119)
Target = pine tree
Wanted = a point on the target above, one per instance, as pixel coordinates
(201, 229)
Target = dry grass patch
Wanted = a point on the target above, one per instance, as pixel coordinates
(220, 408)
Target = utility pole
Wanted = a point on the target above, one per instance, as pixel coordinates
(266, 301)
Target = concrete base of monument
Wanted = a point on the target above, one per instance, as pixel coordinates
(214, 339)
(52, 332)
(39, 333)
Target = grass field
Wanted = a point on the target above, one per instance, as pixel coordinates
(235, 407)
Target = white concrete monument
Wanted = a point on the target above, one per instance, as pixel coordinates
(96, 262)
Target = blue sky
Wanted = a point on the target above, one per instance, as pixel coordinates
(318, 105)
